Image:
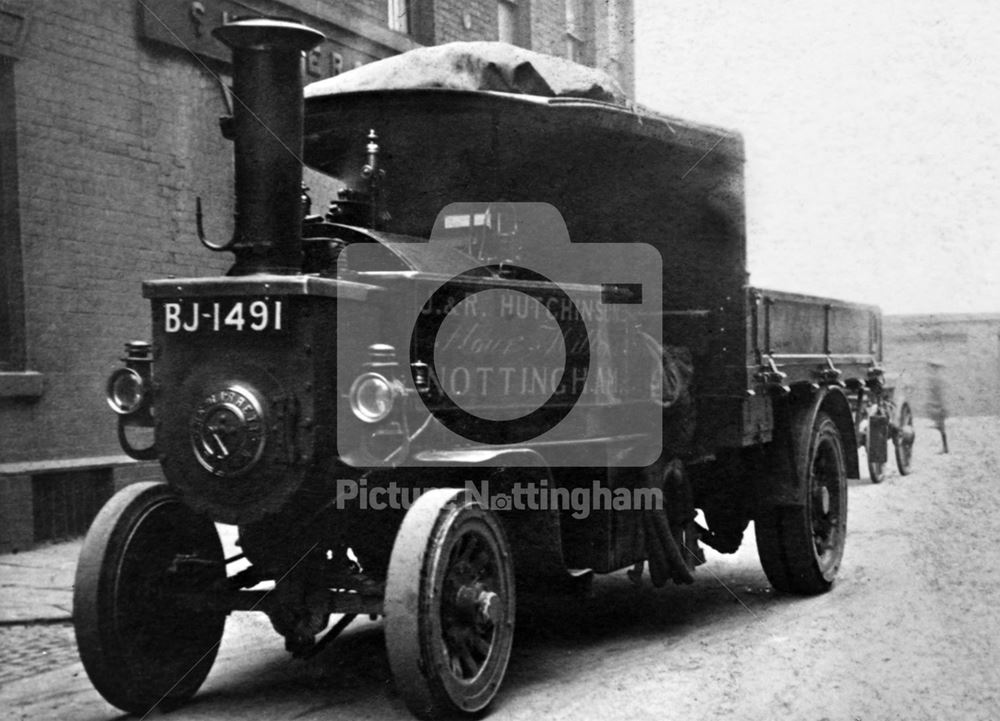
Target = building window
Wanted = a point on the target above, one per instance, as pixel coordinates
(399, 15)
(507, 21)
(12, 355)
(514, 22)
(578, 32)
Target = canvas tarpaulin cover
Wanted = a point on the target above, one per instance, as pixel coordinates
(490, 66)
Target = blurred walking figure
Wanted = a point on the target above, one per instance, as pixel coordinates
(936, 407)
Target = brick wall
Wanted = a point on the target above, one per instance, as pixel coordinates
(449, 18)
(115, 141)
(373, 9)
(969, 345)
(548, 28)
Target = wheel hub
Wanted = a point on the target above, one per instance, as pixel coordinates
(479, 604)
(823, 494)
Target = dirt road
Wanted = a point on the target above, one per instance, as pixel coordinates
(910, 631)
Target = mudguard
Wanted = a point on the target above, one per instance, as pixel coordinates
(782, 479)
(535, 536)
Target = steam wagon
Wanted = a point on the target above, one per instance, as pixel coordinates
(503, 341)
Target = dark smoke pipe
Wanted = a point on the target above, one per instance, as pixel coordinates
(267, 126)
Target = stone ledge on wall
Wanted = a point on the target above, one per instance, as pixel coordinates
(21, 384)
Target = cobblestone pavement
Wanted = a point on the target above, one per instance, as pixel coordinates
(27, 650)
(36, 603)
(38, 584)
(36, 600)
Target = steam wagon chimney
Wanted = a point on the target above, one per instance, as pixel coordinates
(267, 126)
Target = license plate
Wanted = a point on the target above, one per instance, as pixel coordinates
(216, 316)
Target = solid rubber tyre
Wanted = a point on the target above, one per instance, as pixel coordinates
(445, 658)
(876, 471)
(903, 441)
(140, 646)
(801, 546)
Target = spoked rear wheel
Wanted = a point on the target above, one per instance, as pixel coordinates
(801, 546)
(903, 440)
(141, 645)
(449, 605)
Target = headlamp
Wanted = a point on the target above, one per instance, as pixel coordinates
(126, 391)
(372, 397)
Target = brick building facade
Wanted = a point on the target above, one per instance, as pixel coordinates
(108, 135)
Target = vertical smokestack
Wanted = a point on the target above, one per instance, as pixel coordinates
(267, 121)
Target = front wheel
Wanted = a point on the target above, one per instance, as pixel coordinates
(449, 605)
(903, 440)
(142, 643)
(801, 546)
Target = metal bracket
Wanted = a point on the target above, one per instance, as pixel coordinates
(876, 378)
(830, 374)
(772, 378)
(149, 453)
(200, 227)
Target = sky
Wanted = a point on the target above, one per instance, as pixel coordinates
(872, 132)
